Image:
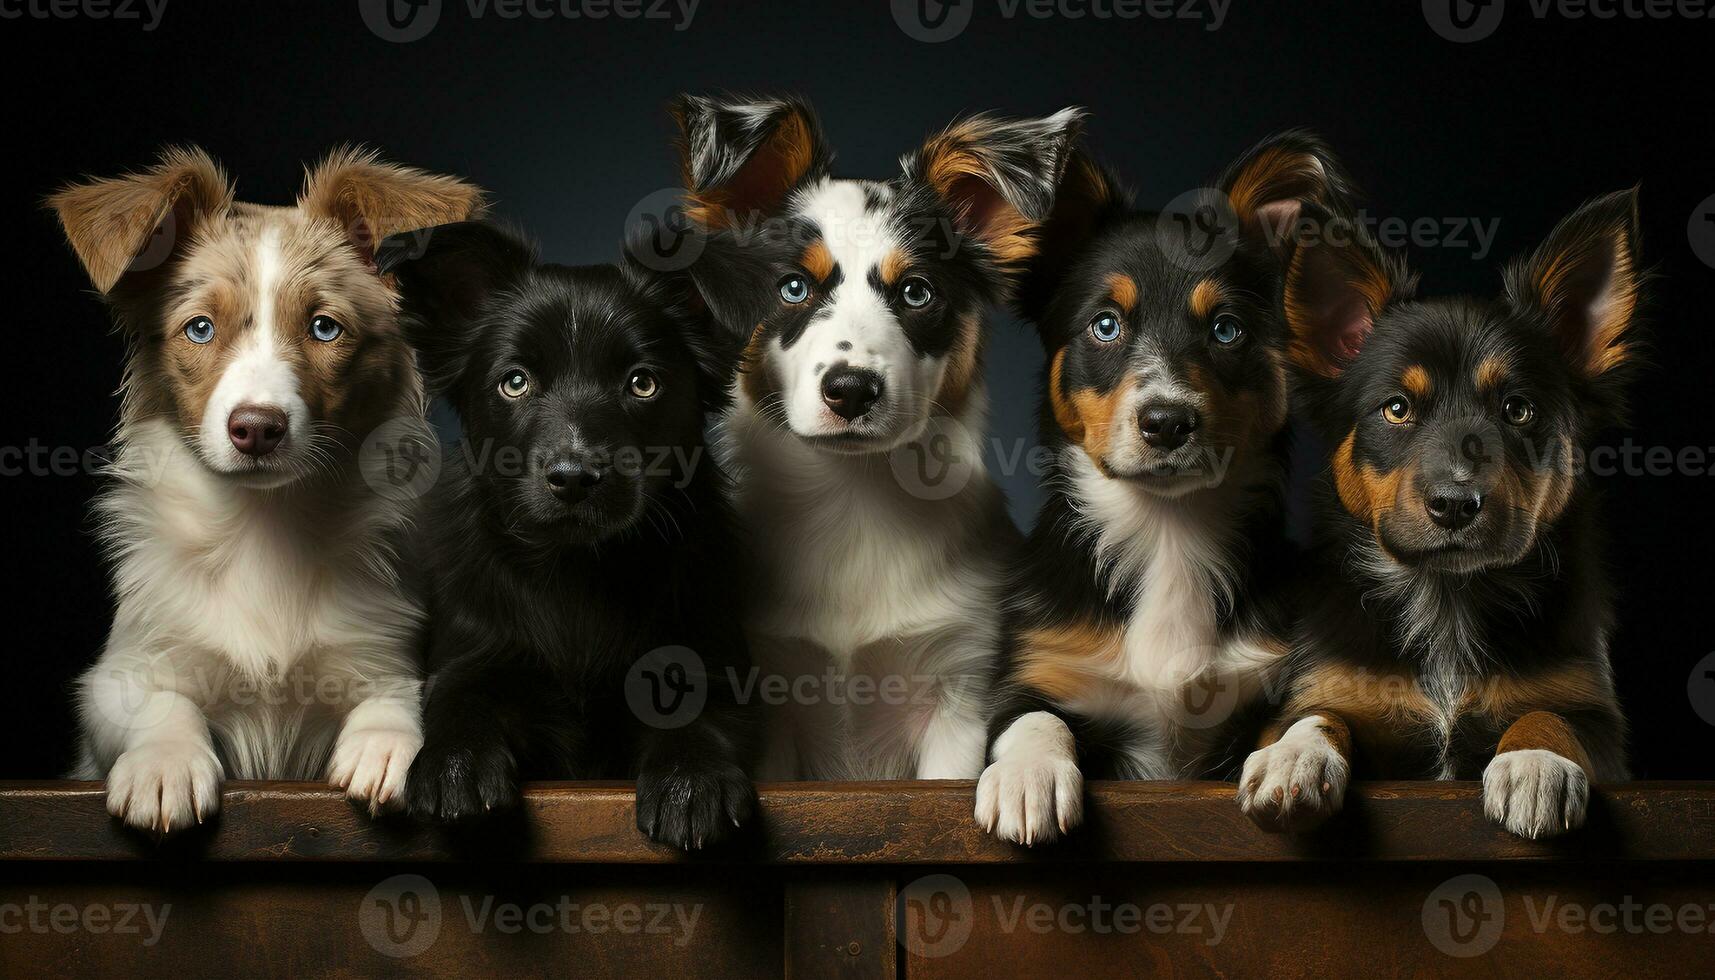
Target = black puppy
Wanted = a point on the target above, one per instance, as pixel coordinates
(578, 539)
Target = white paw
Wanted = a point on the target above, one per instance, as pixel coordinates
(1535, 792)
(165, 786)
(1033, 792)
(1297, 782)
(370, 764)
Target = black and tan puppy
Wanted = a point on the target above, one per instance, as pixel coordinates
(1460, 625)
(1145, 616)
(578, 527)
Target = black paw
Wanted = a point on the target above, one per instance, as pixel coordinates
(693, 807)
(449, 785)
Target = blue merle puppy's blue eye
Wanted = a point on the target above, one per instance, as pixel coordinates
(199, 330)
(916, 292)
(794, 289)
(326, 329)
(1226, 330)
(1105, 327)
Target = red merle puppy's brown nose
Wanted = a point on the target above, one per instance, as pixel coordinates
(256, 430)
(850, 391)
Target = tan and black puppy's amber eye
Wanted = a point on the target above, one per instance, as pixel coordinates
(515, 384)
(643, 384)
(1397, 410)
(1518, 410)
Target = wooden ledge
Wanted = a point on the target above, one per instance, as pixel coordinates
(867, 823)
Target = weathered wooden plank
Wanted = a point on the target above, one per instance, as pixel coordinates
(868, 823)
(840, 923)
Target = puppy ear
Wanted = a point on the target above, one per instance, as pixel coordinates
(370, 199)
(1333, 295)
(1586, 281)
(718, 291)
(742, 157)
(1269, 186)
(1088, 199)
(999, 177)
(443, 275)
(134, 222)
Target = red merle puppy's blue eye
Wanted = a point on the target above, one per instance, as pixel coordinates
(199, 330)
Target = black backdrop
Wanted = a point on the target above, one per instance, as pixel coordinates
(562, 120)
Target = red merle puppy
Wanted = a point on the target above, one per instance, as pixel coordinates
(1461, 620)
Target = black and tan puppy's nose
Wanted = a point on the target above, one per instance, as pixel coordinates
(850, 391)
(1454, 506)
(1167, 426)
(256, 430)
(572, 481)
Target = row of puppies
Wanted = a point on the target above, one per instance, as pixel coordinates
(853, 310)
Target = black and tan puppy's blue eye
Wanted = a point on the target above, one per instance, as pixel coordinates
(1518, 410)
(1226, 330)
(515, 384)
(1105, 327)
(1397, 410)
(916, 293)
(642, 384)
(199, 330)
(326, 329)
(795, 289)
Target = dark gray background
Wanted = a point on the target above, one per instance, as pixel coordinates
(564, 122)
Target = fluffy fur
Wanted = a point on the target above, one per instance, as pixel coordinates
(1144, 616)
(579, 536)
(876, 595)
(263, 630)
(1460, 617)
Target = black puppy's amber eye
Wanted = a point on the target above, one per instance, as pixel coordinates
(1105, 327)
(1397, 410)
(643, 384)
(1518, 410)
(515, 384)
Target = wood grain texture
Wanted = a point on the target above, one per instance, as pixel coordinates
(904, 823)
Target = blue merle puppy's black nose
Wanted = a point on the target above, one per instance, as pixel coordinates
(850, 392)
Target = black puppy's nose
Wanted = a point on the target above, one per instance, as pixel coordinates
(1167, 426)
(1454, 506)
(572, 480)
(851, 391)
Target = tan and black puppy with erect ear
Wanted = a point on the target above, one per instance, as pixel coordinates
(1460, 625)
(1145, 616)
(857, 429)
(262, 629)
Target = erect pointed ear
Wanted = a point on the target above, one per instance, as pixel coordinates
(1334, 294)
(742, 157)
(1585, 279)
(370, 199)
(1088, 198)
(444, 274)
(1270, 185)
(999, 177)
(134, 222)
